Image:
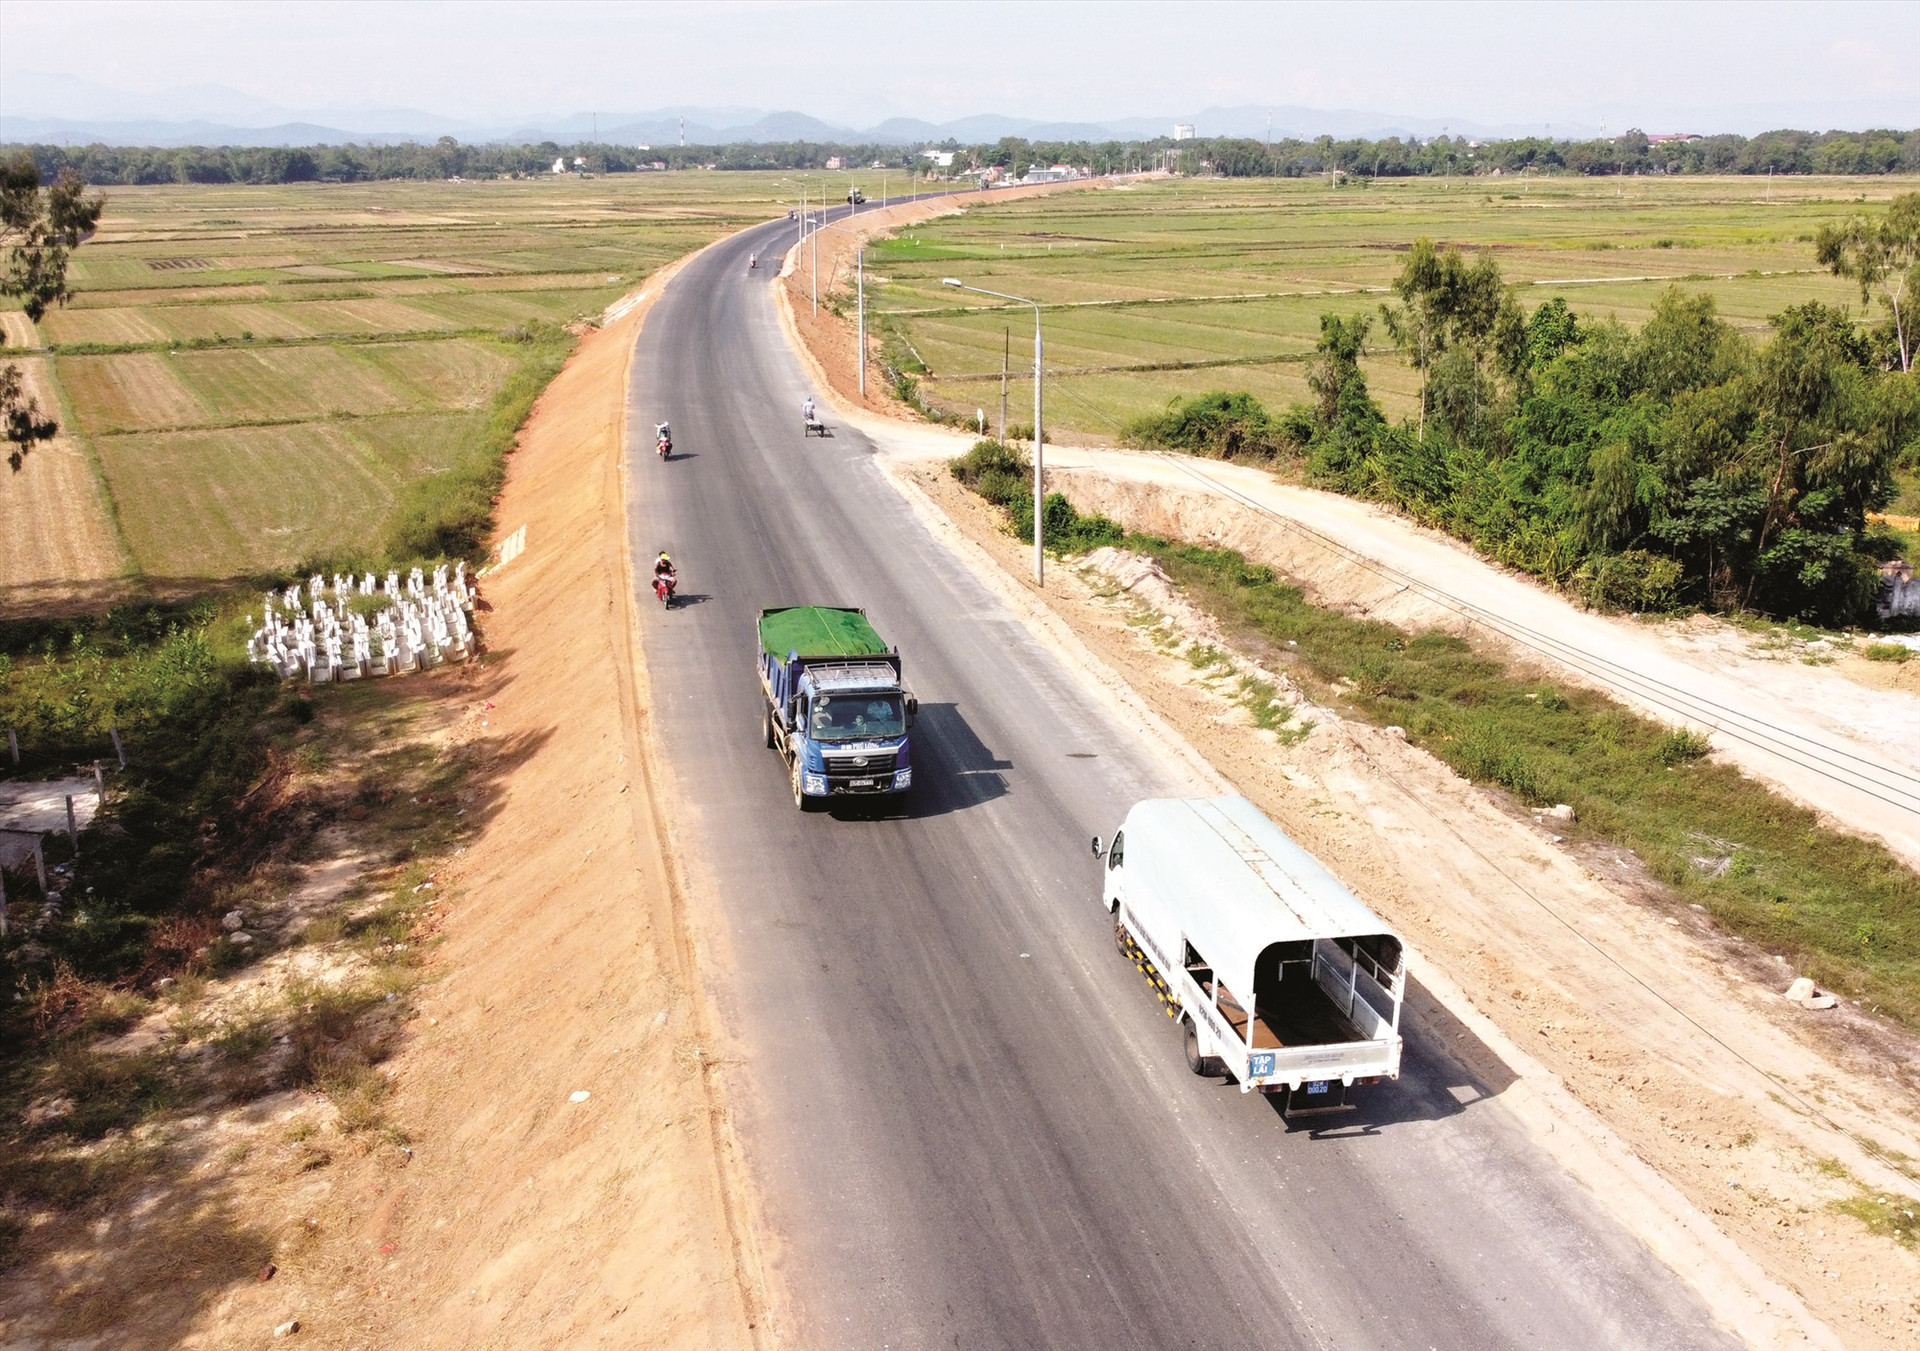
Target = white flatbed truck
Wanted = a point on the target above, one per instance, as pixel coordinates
(1278, 975)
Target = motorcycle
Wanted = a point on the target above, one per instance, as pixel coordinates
(663, 585)
(663, 445)
(752, 262)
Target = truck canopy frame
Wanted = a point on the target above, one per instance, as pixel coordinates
(1260, 888)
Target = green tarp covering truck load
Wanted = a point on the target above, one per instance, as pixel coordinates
(836, 709)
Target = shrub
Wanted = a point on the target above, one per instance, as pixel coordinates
(1887, 652)
(1634, 580)
(1681, 746)
(1219, 425)
(1065, 529)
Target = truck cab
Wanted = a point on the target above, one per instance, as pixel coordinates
(836, 708)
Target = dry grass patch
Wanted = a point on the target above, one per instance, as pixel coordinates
(454, 374)
(132, 392)
(59, 544)
(200, 504)
(240, 384)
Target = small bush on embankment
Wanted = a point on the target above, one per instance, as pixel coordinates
(1005, 478)
(1844, 909)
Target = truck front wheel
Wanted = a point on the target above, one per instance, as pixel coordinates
(1206, 1066)
(800, 799)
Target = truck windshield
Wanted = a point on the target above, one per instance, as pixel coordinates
(858, 717)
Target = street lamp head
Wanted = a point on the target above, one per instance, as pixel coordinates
(950, 281)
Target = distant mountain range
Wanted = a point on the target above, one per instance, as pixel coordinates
(64, 109)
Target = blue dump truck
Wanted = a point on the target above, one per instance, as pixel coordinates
(836, 709)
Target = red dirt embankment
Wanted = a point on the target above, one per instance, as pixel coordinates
(523, 1218)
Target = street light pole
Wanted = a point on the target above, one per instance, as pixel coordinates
(1039, 439)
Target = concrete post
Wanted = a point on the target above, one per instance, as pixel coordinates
(40, 864)
(73, 830)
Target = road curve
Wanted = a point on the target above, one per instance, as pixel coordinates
(971, 1124)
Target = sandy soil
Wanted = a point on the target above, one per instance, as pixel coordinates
(1650, 1019)
(525, 1218)
(60, 546)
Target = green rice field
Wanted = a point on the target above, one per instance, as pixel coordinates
(259, 375)
(1220, 283)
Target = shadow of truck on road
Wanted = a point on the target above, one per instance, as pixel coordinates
(954, 769)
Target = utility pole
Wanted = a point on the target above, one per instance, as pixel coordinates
(1039, 437)
(1006, 355)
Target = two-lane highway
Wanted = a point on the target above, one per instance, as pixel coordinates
(972, 1124)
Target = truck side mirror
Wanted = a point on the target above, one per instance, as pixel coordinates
(1097, 850)
(913, 708)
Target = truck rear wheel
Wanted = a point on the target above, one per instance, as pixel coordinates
(1206, 1066)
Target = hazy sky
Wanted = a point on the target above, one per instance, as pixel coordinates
(1650, 64)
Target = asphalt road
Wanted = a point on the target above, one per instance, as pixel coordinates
(971, 1122)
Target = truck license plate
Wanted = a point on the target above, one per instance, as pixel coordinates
(1317, 1086)
(860, 783)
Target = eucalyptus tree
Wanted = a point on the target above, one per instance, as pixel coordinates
(1882, 255)
(40, 228)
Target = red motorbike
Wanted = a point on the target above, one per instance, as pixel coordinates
(663, 585)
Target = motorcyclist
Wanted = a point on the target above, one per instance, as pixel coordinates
(663, 565)
(663, 435)
(753, 261)
(806, 409)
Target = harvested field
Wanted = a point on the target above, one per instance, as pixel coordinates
(127, 393)
(16, 330)
(285, 383)
(441, 374)
(60, 547)
(260, 499)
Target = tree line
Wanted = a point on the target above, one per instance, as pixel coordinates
(1681, 464)
(1779, 152)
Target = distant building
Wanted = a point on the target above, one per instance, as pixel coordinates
(833, 162)
(1183, 131)
(560, 166)
(579, 161)
(1674, 137)
(1058, 173)
(643, 146)
(942, 159)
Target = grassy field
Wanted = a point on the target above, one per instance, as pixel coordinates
(1225, 279)
(263, 375)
